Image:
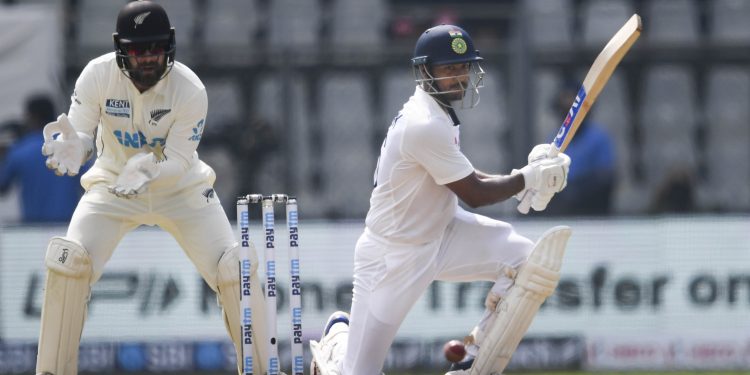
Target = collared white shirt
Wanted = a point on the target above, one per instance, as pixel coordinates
(421, 153)
(167, 119)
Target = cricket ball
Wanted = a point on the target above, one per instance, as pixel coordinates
(454, 351)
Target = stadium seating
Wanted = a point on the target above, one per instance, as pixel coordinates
(728, 21)
(551, 23)
(672, 22)
(348, 146)
(231, 23)
(602, 18)
(727, 132)
(668, 125)
(359, 23)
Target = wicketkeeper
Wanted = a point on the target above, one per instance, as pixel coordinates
(146, 112)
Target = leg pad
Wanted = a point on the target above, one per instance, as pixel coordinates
(66, 296)
(536, 281)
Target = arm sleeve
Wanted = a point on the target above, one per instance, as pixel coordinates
(85, 110)
(437, 149)
(183, 138)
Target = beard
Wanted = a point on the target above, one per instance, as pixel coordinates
(148, 75)
(451, 96)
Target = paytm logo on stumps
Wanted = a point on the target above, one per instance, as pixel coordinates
(273, 365)
(294, 265)
(297, 325)
(246, 274)
(268, 224)
(244, 219)
(244, 229)
(247, 336)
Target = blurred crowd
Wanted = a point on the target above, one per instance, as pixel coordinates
(301, 93)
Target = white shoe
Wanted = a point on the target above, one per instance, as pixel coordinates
(330, 351)
(336, 317)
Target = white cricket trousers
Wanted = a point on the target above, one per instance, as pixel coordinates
(389, 278)
(193, 216)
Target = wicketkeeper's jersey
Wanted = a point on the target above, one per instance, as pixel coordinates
(167, 119)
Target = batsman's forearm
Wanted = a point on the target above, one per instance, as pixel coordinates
(498, 188)
(480, 189)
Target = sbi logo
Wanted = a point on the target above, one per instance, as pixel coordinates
(137, 140)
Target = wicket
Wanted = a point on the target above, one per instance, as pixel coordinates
(295, 301)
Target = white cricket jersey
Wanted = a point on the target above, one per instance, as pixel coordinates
(166, 119)
(421, 153)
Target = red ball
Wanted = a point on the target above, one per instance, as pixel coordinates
(454, 351)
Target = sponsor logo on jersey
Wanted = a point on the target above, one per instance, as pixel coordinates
(158, 114)
(138, 140)
(197, 131)
(117, 107)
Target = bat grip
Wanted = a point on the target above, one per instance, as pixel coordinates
(525, 204)
(553, 151)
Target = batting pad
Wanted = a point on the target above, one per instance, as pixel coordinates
(228, 283)
(536, 281)
(66, 297)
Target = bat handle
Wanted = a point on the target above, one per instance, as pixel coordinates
(525, 204)
(553, 151)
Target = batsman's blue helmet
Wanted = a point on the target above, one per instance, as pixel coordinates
(444, 44)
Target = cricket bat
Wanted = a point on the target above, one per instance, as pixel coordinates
(593, 83)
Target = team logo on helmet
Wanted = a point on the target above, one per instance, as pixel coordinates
(140, 18)
(458, 45)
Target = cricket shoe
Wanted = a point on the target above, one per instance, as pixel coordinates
(471, 352)
(329, 352)
(336, 317)
(464, 364)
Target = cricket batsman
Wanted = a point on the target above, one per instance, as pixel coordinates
(146, 112)
(416, 232)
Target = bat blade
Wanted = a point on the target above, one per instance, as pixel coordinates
(598, 75)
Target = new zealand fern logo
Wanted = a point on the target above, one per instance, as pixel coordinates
(158, 114)
(140, 18)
